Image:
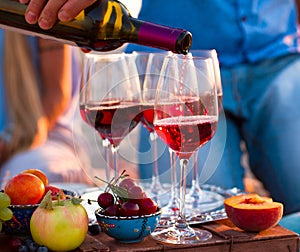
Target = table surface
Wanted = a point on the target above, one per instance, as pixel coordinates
(226, 237)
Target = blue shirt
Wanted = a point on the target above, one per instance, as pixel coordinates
(241, 31)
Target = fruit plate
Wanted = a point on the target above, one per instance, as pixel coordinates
(211, 209)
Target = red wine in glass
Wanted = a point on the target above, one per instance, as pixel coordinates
(89, 118)
(148, 116)
(113, 121)
(188, 135)
(82, 113)
(186, 107)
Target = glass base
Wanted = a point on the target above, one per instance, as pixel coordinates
(186, 235)
(170, 211)
(169, 214)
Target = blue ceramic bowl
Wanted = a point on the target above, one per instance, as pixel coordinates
(20, 223)
(128, 229)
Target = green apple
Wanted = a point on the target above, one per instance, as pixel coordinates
(60, 225)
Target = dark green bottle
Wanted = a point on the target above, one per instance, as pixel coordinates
(104, 26)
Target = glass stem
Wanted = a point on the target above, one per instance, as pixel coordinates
(156, 186)
(105, 144)
(153, 138)
(115, 155)
(174, 194)
(181, 221)
(195, 189)
(173, 174)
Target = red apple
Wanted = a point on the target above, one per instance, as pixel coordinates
(40, 174)
(25, 189)
(252, 212)
(59, 225)
(55, 191)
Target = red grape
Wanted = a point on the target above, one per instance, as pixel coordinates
(105, 199)
(15, 243)
(113, 210)
(129, 209)
(135, 192)
(147, 206)
(127, 183)
(127, 199)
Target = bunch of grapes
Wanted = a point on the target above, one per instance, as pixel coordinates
(125, 199)
(5, 213)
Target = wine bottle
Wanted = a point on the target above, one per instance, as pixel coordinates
(104, 26)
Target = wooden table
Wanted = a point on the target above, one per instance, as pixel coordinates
(226, 237)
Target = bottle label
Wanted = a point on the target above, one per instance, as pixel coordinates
(111, 7)
(43, 36)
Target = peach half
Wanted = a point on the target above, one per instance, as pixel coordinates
(252, 212)
(40, 174)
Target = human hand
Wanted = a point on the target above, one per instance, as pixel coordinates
(47, 12)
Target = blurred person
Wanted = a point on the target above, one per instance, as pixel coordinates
(47, 110)
(258, 49)
(38, 94)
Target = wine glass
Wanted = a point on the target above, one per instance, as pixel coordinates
(112, 100)
(185, 118)
(88, 62)
(149, 67)
(197, 199)
(212, 53)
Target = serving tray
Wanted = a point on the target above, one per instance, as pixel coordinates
(214, 211)
(211, 209)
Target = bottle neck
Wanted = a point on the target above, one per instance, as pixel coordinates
(163, 37)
